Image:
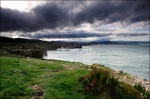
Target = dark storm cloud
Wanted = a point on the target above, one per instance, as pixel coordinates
(54, 15)
(71, 35)
(51, 15)
(41, 17)
(132, 34)
(112, 11)
(15, 20)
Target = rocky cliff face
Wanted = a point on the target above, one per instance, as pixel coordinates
(34, 53)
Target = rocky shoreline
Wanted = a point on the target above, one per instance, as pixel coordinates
(132, 80)
(128, 78)
(120, 75)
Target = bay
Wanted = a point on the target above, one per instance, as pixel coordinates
(133, 59)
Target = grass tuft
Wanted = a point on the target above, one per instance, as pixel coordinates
(142, 90)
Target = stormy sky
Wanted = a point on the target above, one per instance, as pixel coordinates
(123, 20)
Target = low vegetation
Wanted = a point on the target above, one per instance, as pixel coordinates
(100, 82)
(30, 78)
(122, 73)
(142, 90)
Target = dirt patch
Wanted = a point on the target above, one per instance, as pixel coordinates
(68, 66)
(39, 92)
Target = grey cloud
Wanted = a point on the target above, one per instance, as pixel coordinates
(41, 17)
(105, 29)
(132, 11)
(70, 35)
(132, 34)
(12, 20)
(55, 15)
(51, 15)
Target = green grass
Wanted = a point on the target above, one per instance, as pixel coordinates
(19, 75)
(65, 85)
(57, 79)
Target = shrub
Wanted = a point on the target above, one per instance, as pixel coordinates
(37, 54)
(97, 81)
(121, 72)
(100, 83)
(142, 90)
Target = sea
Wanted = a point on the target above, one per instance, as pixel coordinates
(132, 59)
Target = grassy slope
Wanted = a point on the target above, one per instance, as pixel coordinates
(56, 79)
(19, 76)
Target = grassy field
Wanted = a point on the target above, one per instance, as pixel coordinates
(30, 78)
(55, 79)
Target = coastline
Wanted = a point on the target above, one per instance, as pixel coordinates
(45, 76)
(124, 77)
(120, 75)
(132, 80)
(127, 78)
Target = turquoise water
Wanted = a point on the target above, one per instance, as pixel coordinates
(133, 59)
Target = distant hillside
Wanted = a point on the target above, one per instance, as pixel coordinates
(20, 40)
(120, 42)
